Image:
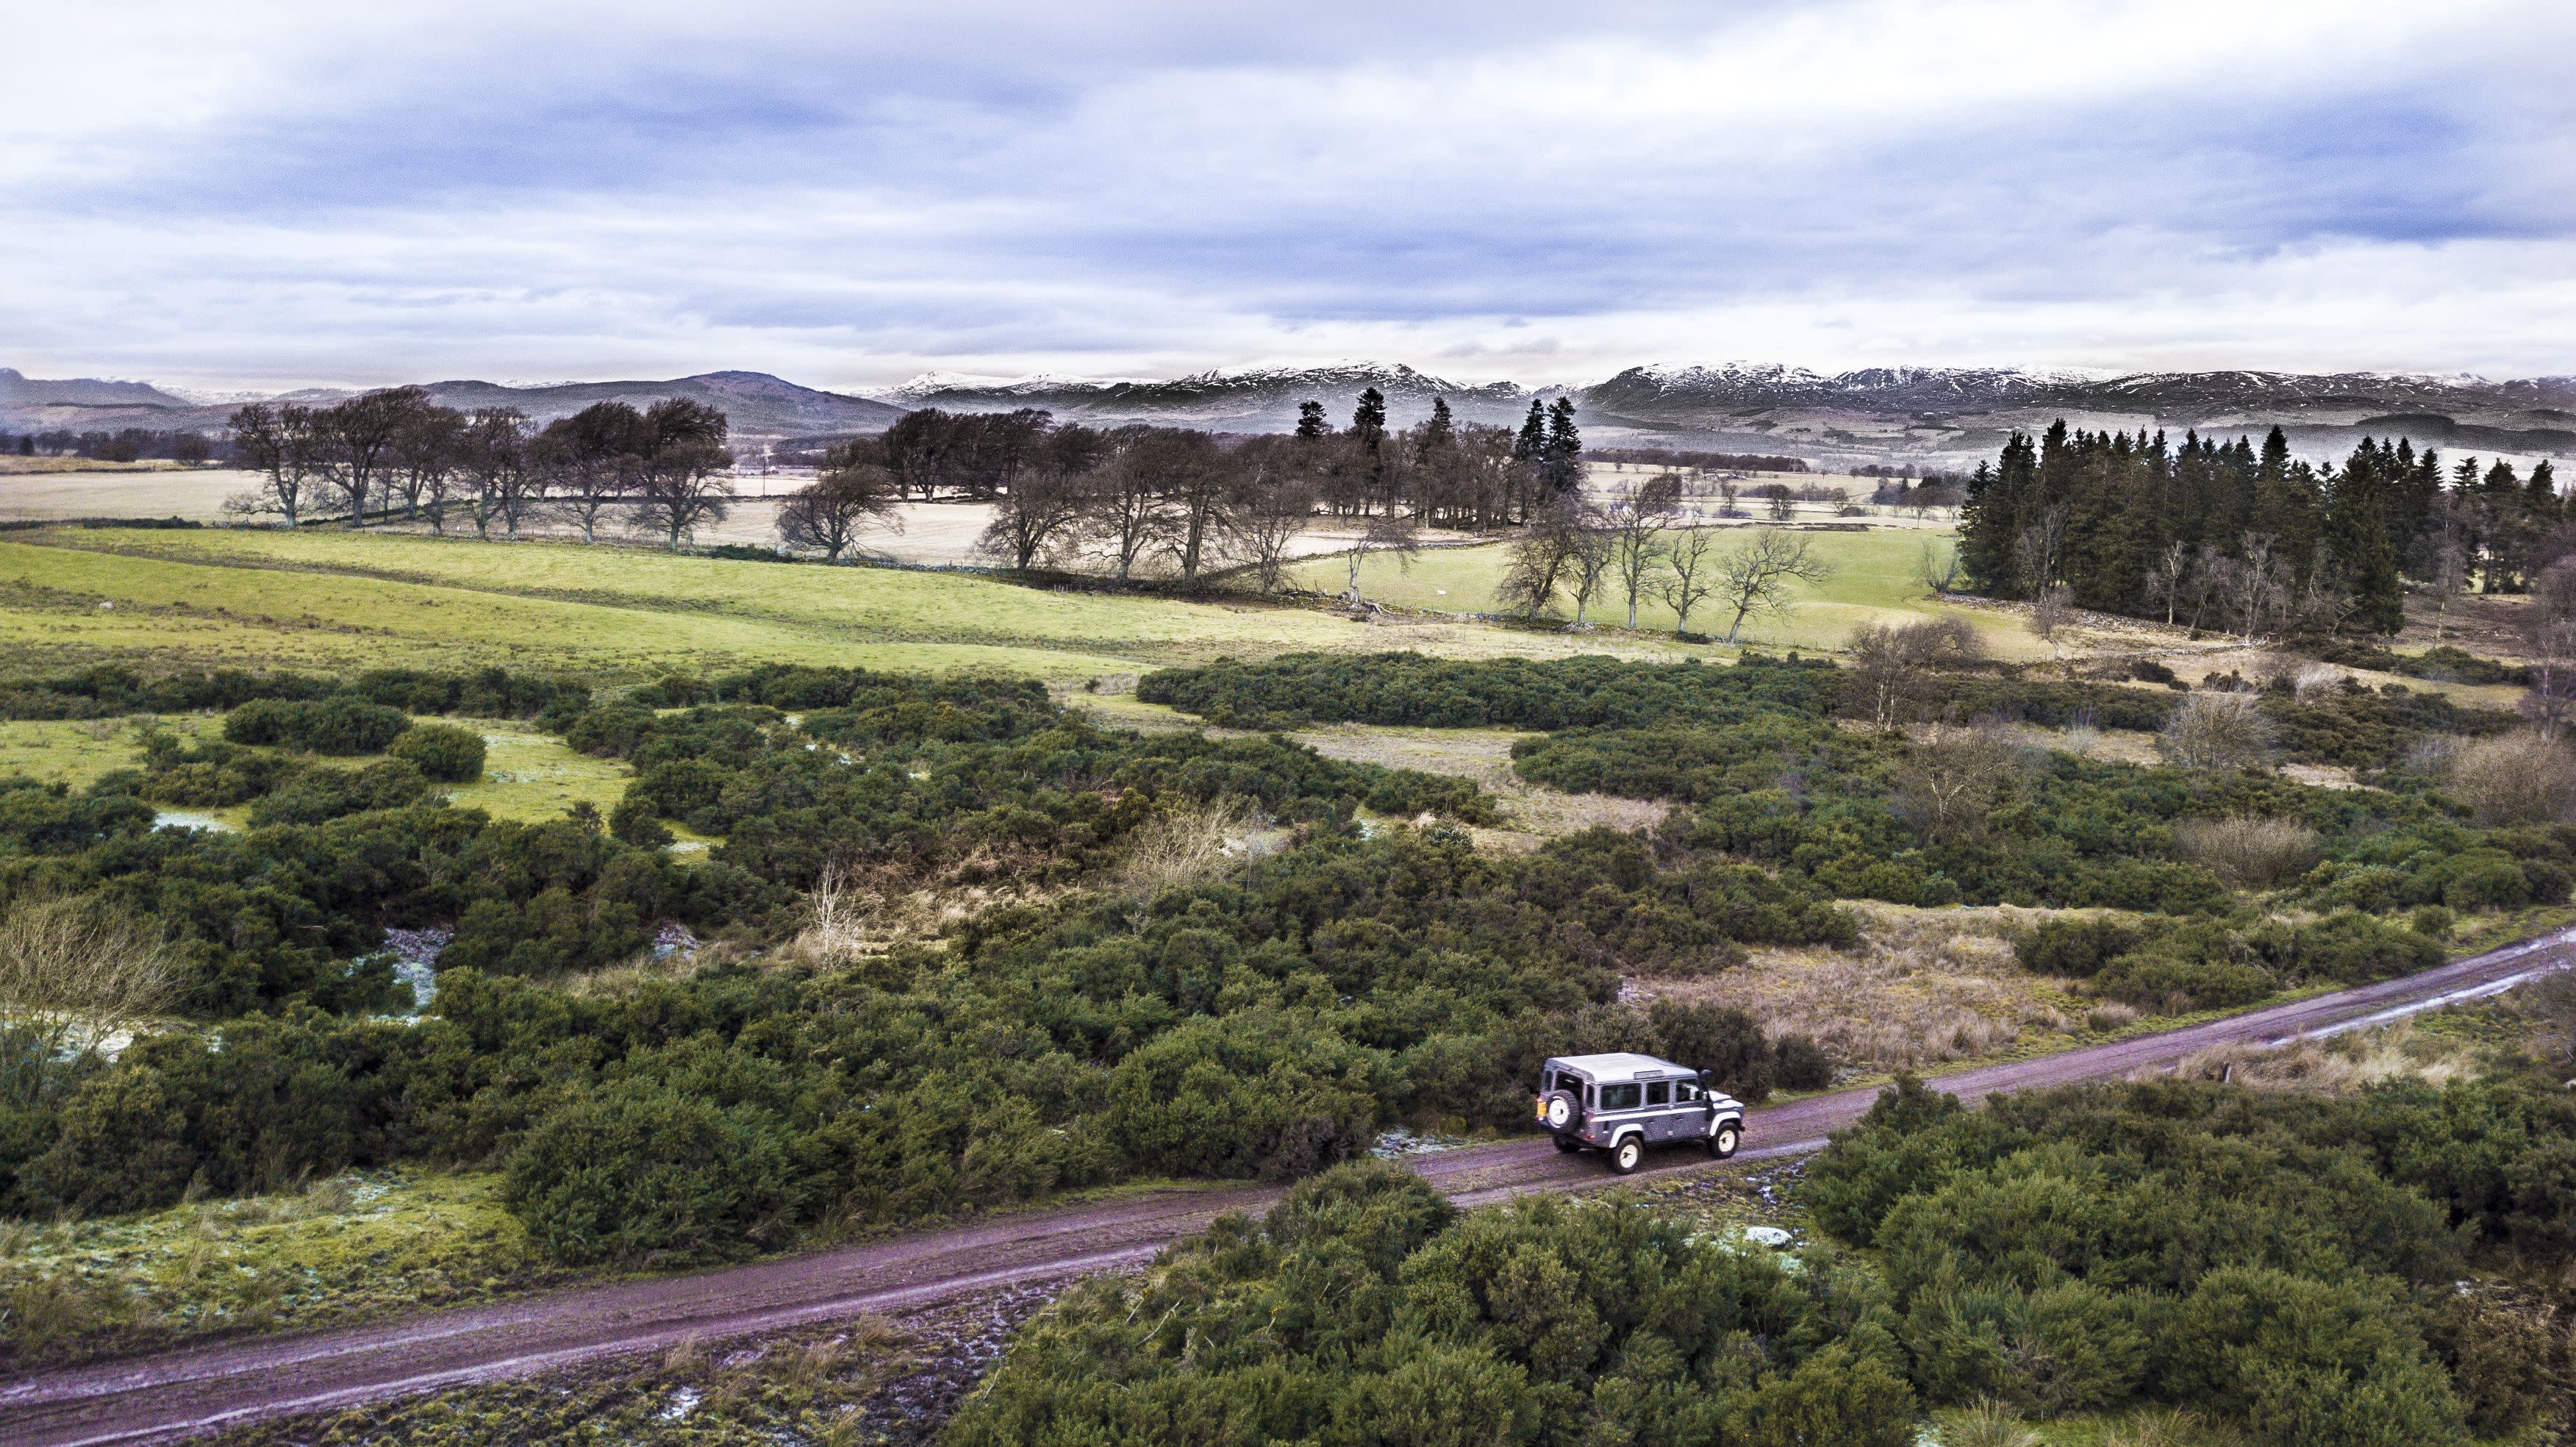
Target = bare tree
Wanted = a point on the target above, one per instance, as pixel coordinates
(494, 460)
(1938, 567)
(683, 479)
(1271, 503)
(1759, 575)
(357, 438)
(2256, 584)
(2216, 731)
(1388, 533)
(77, 974)
(2166, 575)
(1123, 503)
(281, 444)
(1542, 556)
(1195, 480)
(1690, 562)
(1638, 516)
(1044, 505)
(1891, 675)
(2050, 606)
(2039, 551)
(824, 516)
(591, 459)
(2549, 633)
(1950, 783)
(422, 464)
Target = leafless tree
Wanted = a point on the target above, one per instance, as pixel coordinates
(1692, 575)
(2549, 638)
(422, 464)
(683, 481)
(2216, 731)
(2255, 584)
(1271, 504)
(1950, 782)
(1045, 503)
(591, 460)
(1124, 507)
(1388, 533)
(1890, 683)
(281, 444)
(1758, 576)
(1195, 479)
(500, 484)
(78, 974)
(2050, 606)
(357, 438)
(2166, 575)
(1938, 567)
(1726, 495)
(1638, 516)
(2039, 551)
(1589, 565)
(1541, 558)
(854, 488)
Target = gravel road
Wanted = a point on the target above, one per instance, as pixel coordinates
(175, 1394)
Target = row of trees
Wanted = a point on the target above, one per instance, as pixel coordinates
(2219, 533)
(1141, 496)
(130, 444)
(1637, 548)
(396, 452)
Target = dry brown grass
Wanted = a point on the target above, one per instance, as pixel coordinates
(2337, 1064)
(1200, 842)
(1926, 987)
(2516, 778)
(1532, 813)
(2247, 850)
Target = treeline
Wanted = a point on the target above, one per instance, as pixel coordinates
(1700, 461)
(2288, 1267)
(2215, 534)
(128, 444)
(395, 454)
(1140, 498)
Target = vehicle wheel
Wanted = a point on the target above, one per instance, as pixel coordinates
(1564, 1112)
(1723, 1144)
(1567, 1143)
(1627, 1155)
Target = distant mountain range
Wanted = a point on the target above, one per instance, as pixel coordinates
(758, 404)
(1935, 416)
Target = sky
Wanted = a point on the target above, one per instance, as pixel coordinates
(255, 195)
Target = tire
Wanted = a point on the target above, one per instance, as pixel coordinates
(1564, 1112)
(1628, 1154)
(1566, 1143)
(1723, 1143)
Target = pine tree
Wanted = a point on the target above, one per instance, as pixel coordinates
(1440, 431)
(1531, 446)
(1368, 420)
(1993, 516)
(1310, 420)
(1563, 454)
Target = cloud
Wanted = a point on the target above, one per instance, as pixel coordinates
(293, 194)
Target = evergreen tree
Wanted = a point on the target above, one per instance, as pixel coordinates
(1531, 446)
(1441, 430)
(1563, 452)
(1368, 420)
(1310, 420)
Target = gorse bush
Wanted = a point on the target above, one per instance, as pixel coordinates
(442, 752)
(2284, 1262)
(1363, 1309)
(334, 725)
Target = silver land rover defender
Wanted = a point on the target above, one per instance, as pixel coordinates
(1625, 1103)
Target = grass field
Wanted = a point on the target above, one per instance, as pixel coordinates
(1873, 582)
(335, 600)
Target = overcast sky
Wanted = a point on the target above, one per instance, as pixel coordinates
(247, 194)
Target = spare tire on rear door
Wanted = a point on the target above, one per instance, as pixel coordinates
(1564, 1113)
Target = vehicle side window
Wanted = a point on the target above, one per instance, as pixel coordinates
(1619, 1097)
(1685, 1092)
(1659, 1094)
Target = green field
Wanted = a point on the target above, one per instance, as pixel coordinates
(329, 600)
(1873, 582)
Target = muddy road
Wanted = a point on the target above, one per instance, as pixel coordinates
(172, 1395)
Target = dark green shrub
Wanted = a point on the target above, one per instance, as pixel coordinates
(2076, 949)
(642, 1171)
(1799, 1063)
(443, 752)
(335, 725)
(316, 795)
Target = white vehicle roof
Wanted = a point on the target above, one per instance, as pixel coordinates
(1621, 1064)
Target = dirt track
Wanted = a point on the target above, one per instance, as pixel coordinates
(172, 1395)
